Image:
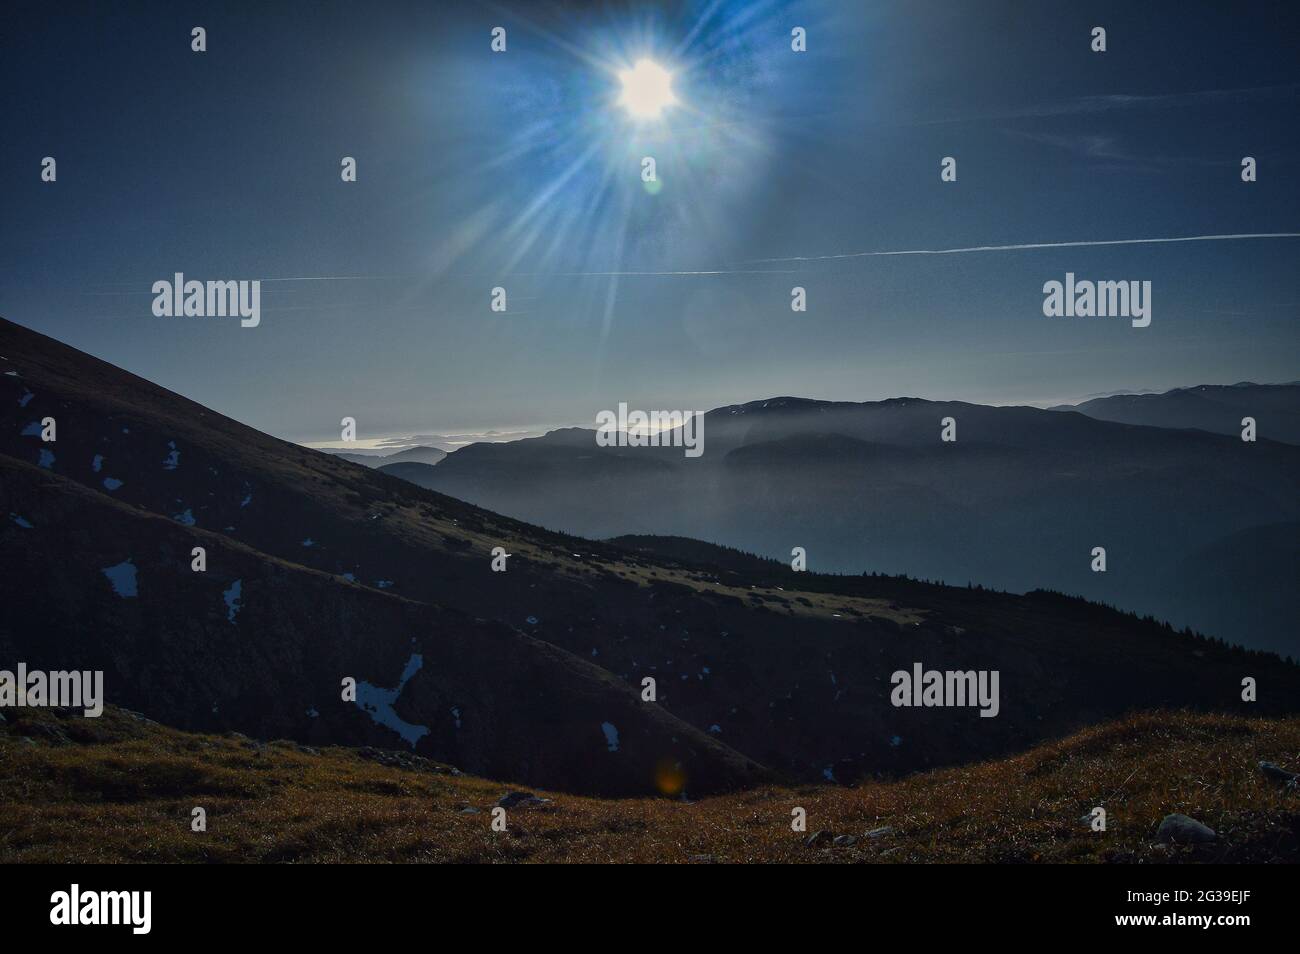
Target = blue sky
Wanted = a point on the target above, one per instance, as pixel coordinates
(520, 170)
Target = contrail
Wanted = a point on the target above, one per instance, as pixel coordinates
(331, 278)
(714, 271)
(737, 269)
(1030, 245)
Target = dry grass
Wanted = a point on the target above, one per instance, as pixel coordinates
(119, 790)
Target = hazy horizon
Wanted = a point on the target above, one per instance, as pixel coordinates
(391, 443)
(521, 170)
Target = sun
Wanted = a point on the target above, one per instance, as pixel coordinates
(647, 89)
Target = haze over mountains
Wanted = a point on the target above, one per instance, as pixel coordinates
(318, 569)
(1199, 528)
(419, 454)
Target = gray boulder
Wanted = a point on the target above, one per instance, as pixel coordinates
(520, 800)
(1184, 830)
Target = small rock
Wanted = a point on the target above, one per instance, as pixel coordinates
(1278, 774)
(520, 800)
(818, 838)
(51, 733)
(1185, 830)
(703, 860)
(881, 832)
(469, 810)
(845, 841)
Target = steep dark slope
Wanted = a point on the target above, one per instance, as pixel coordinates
(793, 670)
(261, 645)
(417, 473)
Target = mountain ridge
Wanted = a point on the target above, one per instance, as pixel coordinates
(781, 671)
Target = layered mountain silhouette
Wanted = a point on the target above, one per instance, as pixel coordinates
(1218, 409)
(318, 571)
(1199, 528)
(410, 455)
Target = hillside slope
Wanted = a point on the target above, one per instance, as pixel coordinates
(790, 670)
(262, 645)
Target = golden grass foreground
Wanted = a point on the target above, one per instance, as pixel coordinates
(121, 789)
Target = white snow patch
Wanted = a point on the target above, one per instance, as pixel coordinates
(122, 578)
(233, 599)
(378, 703)
(611, 735)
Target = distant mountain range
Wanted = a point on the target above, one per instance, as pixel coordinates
(318, 570)
(418, 455)
(1199, 527)
(1218, 409)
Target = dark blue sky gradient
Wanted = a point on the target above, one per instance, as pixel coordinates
(517, 170)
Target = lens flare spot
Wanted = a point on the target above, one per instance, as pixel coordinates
(670, 777)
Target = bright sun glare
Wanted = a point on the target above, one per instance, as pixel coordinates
(647, 89)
